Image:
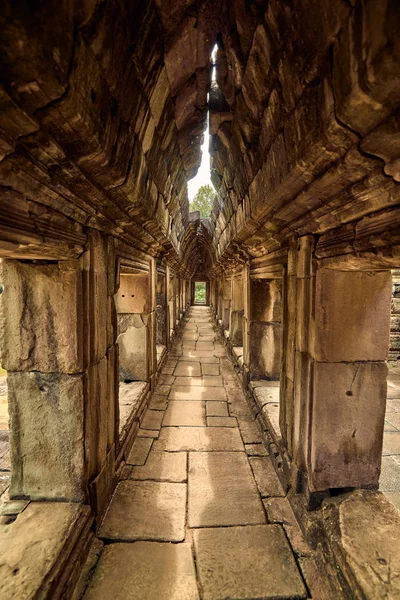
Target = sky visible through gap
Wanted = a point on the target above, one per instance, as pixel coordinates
(203, 174)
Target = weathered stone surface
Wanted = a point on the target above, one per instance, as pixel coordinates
(187, 369)
(230, 563)
(211, 439)
(163, 466)
(207, 369)
(197, 393)
(216, 409)
(187, 414)
(346, 450)
(266, 477)
(51, 467)
(41, 318)
(352, 320)
(133, 358)
(133, 570)
(140, 450)
(147, 510)
(217, 421)
(152, 420)
(30, 547)
(222, 490)
(363, 528)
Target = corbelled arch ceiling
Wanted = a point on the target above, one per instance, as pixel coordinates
(104, 107)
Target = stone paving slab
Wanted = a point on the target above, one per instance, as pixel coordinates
(200, 345)
(217, 409)
(207, 369)
(163, 466)
(146, 510)
(256, 450)
(200, 439)
(247, 563)
(148, 433)
(139, 451)
(187, 369)
(206, 381)
(181, 392)
(152, 419)
(144, 570)
(181, 413)
(265, 475)
(222, 490)
(158, 402)
(221, 422)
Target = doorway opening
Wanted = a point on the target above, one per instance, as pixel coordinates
(200, 292)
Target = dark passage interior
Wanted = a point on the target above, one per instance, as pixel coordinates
(187, 392)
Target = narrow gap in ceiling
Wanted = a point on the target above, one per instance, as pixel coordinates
(201, 191)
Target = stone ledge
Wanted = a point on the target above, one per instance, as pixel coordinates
(362, 530)
(42, 550)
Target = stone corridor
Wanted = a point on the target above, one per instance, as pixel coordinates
(200, 511)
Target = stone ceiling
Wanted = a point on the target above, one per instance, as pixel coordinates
(103, 110)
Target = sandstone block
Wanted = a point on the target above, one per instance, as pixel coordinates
(134, 571)
(41, 318)
(147, 510)
(346, 450)
(231, 565)
(47, 435)
(352, 315)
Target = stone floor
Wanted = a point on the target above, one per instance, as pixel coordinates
(200, 512)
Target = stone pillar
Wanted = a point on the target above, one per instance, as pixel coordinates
(352, 325)
(264, 353)
(237, 310)
(152, 335)
(171, 303)
(226, 307)
(161, 309)
(246, 321)
(134, 326)
(58, 346)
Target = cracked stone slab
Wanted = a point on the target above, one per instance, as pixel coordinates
(146, 510)
(139, 451)
(222, 490)
(231, 563)
(265, 475)
(163, 466)
(150, 570)
(180, 392)
(200, 439)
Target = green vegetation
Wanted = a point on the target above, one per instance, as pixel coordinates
(203, 201)
(200, 292)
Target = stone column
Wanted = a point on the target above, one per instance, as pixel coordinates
(58, 346)
(352, 325)
(152, 335)
(161, 309)
(246, 321)
(264, 354)
(226, 307)
(237, 310)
